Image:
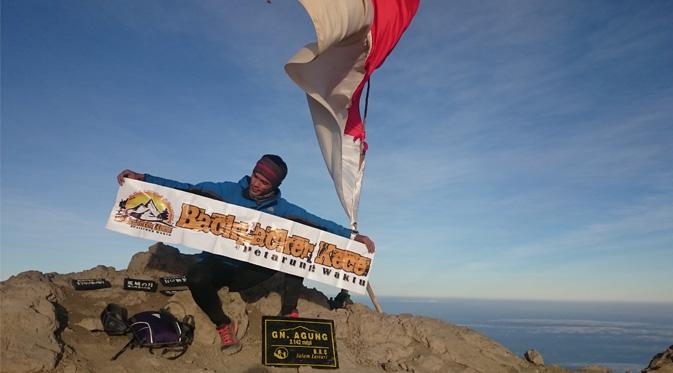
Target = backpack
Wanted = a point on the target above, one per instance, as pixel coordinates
(159, 329)
(114, 319)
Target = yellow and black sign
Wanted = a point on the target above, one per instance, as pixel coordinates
(298, 341)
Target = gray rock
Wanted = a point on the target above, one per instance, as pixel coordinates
(532, 356)
(160, 258)
(661, 362)
(30, 329)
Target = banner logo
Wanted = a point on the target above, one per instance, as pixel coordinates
(148, 211)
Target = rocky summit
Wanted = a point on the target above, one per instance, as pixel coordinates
(48, 326)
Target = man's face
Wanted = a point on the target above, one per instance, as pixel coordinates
(259, 185)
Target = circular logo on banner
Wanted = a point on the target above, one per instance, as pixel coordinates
(147, 211)
(147, 206)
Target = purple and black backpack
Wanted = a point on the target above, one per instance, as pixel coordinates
(159, 330)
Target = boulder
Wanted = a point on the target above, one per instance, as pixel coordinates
(160, 258)
(32, 321)
(534, 357)
(661, 362)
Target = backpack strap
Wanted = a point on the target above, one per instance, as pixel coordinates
(181, 351)
(130, 344)
(187, 326)
(186, 337)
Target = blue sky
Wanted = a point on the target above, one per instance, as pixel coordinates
(518, 149)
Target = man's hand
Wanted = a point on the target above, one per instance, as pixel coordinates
(365, 240)
(128, 174)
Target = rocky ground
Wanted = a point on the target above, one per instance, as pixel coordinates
(45, 326)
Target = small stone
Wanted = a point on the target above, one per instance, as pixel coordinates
(532, 356)
(390, 366)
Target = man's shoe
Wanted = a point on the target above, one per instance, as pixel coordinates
(292, 314)
(230, 343)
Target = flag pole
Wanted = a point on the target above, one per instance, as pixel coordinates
(370, 291)
(373, 297)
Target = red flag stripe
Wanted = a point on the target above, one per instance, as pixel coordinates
(391, 19)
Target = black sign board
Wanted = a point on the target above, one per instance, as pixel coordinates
(173, 281)
(90, 284)
(138, 284)
(298, 341)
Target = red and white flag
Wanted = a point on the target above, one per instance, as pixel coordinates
(354, 38)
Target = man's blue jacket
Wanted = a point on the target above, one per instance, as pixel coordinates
(234, 193)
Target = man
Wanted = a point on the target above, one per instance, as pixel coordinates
(258, 191)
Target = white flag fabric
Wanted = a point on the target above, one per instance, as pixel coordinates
(354, 38)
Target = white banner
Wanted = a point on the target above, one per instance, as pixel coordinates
(158, 213)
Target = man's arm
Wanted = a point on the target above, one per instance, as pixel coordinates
(292, 210)
(208, 189)
(365, 240)
(128, 174)
(296, 212)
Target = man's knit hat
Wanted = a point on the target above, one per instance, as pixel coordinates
(272, 167)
